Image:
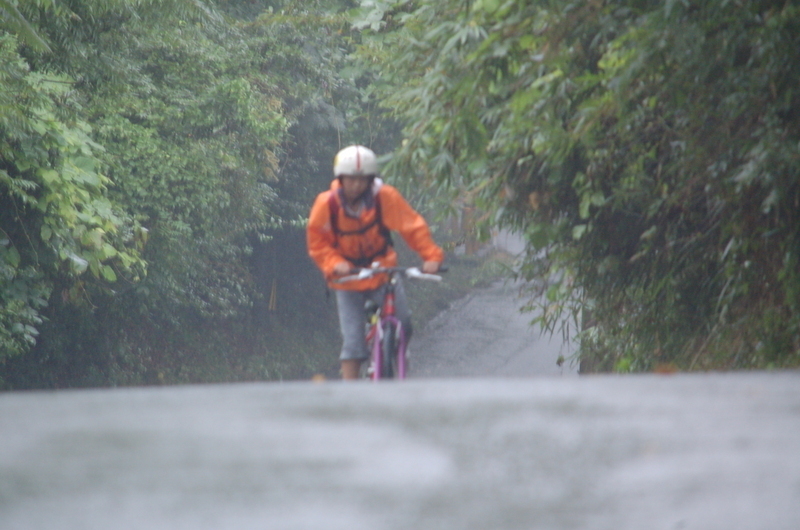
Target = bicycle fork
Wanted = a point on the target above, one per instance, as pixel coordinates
(378, 355)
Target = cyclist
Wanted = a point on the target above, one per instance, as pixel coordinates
(349, 226)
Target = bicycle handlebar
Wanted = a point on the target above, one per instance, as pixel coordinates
(409, 272)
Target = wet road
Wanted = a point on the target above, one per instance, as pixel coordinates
(699, 452)
(486, 335)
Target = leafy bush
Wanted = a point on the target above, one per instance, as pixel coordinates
(57, 226)
(647, 150)
(214, 135)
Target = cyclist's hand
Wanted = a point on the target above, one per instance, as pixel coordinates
(342, 268)
(430, 267)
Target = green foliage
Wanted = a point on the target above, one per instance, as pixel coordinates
(15, 22)
(56, 222)
(214, 135)
(191, 135)
(193, 145)
(649, 152)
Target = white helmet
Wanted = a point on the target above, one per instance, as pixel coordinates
(356, 161)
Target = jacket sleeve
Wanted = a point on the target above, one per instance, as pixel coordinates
(320, 238)
(399, 216)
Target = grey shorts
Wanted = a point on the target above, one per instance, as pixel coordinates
(352, 318)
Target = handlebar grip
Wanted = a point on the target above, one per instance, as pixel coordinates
(414, 272)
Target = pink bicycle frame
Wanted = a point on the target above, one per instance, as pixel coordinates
(377, 358)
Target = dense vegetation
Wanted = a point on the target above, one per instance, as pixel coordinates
(648, 150)
(158, 154)
(157, 159)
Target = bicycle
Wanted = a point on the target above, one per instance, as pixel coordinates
(386, 338)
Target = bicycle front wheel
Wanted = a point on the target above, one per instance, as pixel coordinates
(389, 351)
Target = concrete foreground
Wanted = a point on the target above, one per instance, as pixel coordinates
(718, 451)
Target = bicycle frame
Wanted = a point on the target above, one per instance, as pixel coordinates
(385, 318)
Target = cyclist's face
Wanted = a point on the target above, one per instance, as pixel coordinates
(354, 187)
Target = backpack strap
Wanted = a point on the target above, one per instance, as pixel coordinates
(333, 207)
(385, 232)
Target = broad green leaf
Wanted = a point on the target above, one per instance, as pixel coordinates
(49, 175)
(79, 265)
(109, 274)
(10, 255)
(578, 231)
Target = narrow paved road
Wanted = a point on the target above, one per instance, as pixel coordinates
(486, 335)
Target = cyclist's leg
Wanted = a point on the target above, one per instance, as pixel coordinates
(351, 369)
(350, 305)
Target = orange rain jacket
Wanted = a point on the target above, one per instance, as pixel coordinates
(327, 248)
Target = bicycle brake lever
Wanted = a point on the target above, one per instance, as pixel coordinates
(414, 272)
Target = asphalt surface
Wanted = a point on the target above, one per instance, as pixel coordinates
(702, 452)
(486, 335)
